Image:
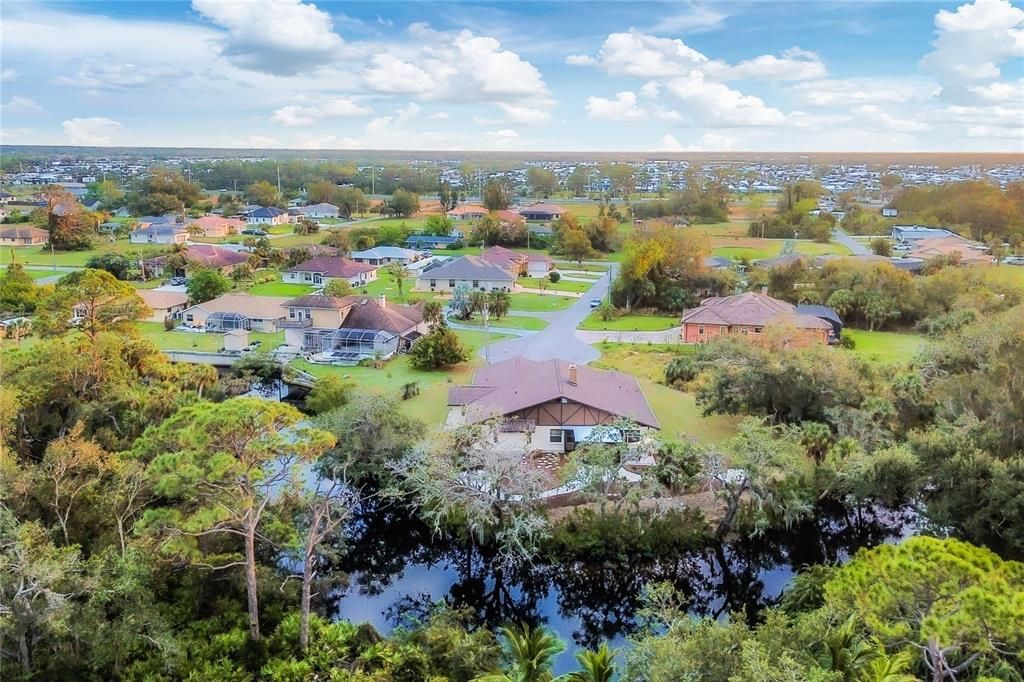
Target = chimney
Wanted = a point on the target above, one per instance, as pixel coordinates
(572, 373)
(383, 300)
(764, 291)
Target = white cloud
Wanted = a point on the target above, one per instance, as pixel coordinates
(20, 104)
(103, 74)
(504, 133)
(580, 60)
(877, 118)
(626, 109)
(524, 115)
(998, 132)
(302, 115)
(708, 142)
(439, 116)
(256, 142)
(650, 89)
(280, 37)
(794, 64)
(669, 143)
(717, 104)
(96, 131)
(851, 91)
(645, 56)
(1012, 91)
(696, 18)
(971, 44)
(393, 75)
(8, 75)
(14, 135)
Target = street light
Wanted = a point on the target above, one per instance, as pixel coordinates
(486, 311)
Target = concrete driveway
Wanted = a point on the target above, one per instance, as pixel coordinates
(854, 245)
(558, 339)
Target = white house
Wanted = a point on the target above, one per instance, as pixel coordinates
(322, 210)
(322, 269)
(472, 271)
(160, 233)
(385, 255)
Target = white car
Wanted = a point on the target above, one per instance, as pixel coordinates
(1014, 260)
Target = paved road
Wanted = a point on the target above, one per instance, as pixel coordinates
(854, 245)
(558, 339)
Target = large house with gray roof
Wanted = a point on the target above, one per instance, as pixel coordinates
(469, 271)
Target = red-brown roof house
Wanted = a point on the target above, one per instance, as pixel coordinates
(558, 403)
(467, 212)
(749, 315)
(23, 235)
(216, 226)
(200, 256)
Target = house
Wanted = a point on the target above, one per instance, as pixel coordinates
(541, 212)
(6, 198)
(555, 404)
(823, 312)
(968, 252)
(23, 235)
(509, 216)
(915, 233)
(385, 255)
(506, 259)
(423, 242)
(200, 256)
(322, 210)
(349, 329)
(750, 315)
(889, 212)
(322, 269)
(215, 226)
(163, 304)
(417, 268)
(718, 263)
(471, 271)
(160, 233)
(237, 311)
(267, 216)
(467, 212)
(538, 265)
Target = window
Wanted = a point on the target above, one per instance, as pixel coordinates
(307, 276)
(291, 313)
(758, 330)
(700, 330)
(476, 284)
(188, 318)
(555, 436)
(744, 330)
(631, 435)
(451, 284)
(433, 283)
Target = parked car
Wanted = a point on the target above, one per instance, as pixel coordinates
(1014, 260)
(902, 246)
(594, 302)
(255, 231)
(177, 281)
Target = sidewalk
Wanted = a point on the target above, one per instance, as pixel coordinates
(672, 336)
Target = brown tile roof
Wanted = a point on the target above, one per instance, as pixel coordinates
(23, 232)
(321, 301)
(503, 258)
(211, 222)
(947, 246)
(370, 314)
(333, 266)
(750, 309)
(209, 255)
(264, 307)
(162, 300)
(518, 383)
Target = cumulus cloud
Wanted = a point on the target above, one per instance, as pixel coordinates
(20, 104)
(103, 74)
(393, 75)
(708, 142)
(625, 108)
(793, 64)
(875, 117)
(280, 37)
(302, 115)
(852, 91)
(524, 115)
(8, 75)
(96, 131)
(1000, 91)
(580, 60)
(717, 103)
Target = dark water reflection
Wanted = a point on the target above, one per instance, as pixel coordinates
(398, 569)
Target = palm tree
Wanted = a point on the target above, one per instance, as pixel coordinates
(848, 653)
(477, 301)
(500, 303)
(399, 273)
(597, 666)
(433, 313)
(530, 652)
(886, 668)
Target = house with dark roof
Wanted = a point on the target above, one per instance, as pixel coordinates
(22, 235)
(432, 241)
(823, 312)
(542, 211)
(470, 271)
(198, 256)
(271, 215)
(322, 210)
(322, 269)
(532, 264)
(555, 404)
(915, 233)
(750, 315)
(160, 233)
(349, 329)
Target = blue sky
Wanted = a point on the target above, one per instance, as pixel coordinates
(587, 76)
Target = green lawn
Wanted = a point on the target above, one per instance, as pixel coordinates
(726, 229)
(885, 347)
(560, 285)
(40, 257)
(173, 340)
(431, 405)
(597, 269)
(536, 303)
(280, 289)
(631, 323)
(513, 322)
(769, 248)
(40, 274)
(677, 412)
(412, 224)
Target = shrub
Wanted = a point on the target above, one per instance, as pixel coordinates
(554, 276)
(168, 324)
(440, 348)
(410, 390)
(846, 340)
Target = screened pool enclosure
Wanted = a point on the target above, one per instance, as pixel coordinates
(349, 346)
(225, 322)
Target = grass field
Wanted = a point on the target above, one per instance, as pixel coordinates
(753, 249)
(539, 303)
(885, 347)
(545, 283)
(728, 230)
(173, 340)
(36, 255)
(597, 268)
(631, 323)
(513, 322)
(677, 412)
(40, 274)
(280, 289)
(431, 405)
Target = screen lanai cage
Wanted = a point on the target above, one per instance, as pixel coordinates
(225, 322)
(353, 345)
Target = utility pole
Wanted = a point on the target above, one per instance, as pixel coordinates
(279, 179)
(487, 351)
(373, 178)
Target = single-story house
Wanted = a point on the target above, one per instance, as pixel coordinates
(506, 259)
(163, 304)
(267, 216)
(915, 233)
(385, 255)
(237, 311)
(471, 271)
(718, 263)
(542, 211)
(556, 404)
(750, 315)
(430, 241)
(969, 253)
(323, 269)
(823, 312)
(216, 226)
(509, 216)
(417, 268)
(349, 329)
(23, 235)
(538, 265)
(467, 212)
(6, 198)
(322, 210)
(160, 233)
(200, 256)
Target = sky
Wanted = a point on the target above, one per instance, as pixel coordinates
(802, 75)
